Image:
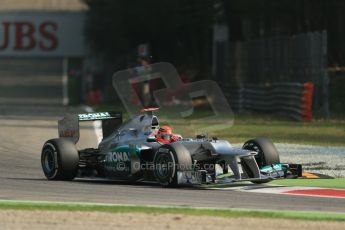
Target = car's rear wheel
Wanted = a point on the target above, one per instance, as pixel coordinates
(168, 160)
(59, 159)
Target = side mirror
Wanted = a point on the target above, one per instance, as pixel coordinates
(151, 139)
(200, 136)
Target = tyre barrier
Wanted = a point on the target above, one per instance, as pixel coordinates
(293, 100)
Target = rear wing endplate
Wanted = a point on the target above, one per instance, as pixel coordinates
(68, 126)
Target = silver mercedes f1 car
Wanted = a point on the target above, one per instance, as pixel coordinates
(130, 151)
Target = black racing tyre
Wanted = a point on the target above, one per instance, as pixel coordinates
(59, 159)
(267, 152)
(168, 160)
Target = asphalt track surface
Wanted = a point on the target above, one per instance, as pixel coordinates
(23, 130)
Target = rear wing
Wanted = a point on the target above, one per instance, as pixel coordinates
(68, 126)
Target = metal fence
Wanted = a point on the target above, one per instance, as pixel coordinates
(300, 58)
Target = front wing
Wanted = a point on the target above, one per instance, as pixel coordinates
(267, 173)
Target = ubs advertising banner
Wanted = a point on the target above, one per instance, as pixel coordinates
(41, 34)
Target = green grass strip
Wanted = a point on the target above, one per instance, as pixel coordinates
(221, 212)
(323, 183)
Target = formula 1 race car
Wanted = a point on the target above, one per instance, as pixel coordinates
(130, 151)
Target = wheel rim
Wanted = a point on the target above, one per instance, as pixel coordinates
(163, 166)
(48, 161)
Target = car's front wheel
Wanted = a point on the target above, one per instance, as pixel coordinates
(267, 152)
(168, 160)
(267, 155)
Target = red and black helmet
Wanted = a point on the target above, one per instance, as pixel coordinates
(164, 132)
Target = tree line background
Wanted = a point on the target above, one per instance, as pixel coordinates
(180, 31)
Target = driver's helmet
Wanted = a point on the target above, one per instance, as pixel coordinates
(164, 133)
